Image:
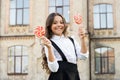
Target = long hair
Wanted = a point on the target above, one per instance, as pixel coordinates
(49, 23)
(49, 34)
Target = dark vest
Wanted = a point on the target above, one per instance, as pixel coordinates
(66, 71)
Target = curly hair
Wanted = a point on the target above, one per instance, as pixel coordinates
(49, 34)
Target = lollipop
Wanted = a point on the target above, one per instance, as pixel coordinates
(39, 31)
(78, 19)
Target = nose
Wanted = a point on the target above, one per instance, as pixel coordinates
(59, 24)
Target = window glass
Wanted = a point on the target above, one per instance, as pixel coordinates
(12, 3)
(26, 3)
(103, 8)
(19, 16)
(25, 51)
(97, 52)
(104, 65)
(18, 62)
(109, 8)
(111, 52)
(18, 50)
(104, 60)
(96, 21)
(25, 64)
(11, 51)
(111, 65)
(103, 20)
(51, 2)
(66, 2)
(26, 16)
(66, 13)
(103, 16)
(59, 3)
(12, 17)
(110, 20)
(19, 3)
(104, 51)
(51, 10)
(18, 65)
(59, 10)
(96, 9)
(97, 62)
(11, 64)
(19, 12)
(60, 6)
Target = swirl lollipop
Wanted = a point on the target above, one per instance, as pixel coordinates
(39, 32)
(78, 19)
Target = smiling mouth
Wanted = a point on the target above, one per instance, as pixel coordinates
(59, 29)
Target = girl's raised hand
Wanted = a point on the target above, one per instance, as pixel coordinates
(81, 32)
(46, 41)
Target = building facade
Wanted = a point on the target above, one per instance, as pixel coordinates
(104, 39)
(20, 52)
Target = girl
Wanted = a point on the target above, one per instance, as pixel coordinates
(61, 52)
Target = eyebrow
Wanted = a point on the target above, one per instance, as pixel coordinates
(57, 21)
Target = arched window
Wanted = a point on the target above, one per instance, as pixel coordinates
(60, 6)
(19, 12)
(17, 60)
(104, 60)
(103, 16)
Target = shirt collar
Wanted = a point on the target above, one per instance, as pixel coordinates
(57, 37)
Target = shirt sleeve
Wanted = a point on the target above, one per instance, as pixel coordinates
(80, 55)
(53, 66)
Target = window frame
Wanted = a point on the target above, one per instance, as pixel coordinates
(103, 58)
(60, 6)
(106, 13)
(22, 9)
(15, 60)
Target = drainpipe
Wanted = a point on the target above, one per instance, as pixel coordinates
(0, 13)
(0, 17)
(0, 37)
(89, 37)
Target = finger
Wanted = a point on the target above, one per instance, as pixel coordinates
(80, 25)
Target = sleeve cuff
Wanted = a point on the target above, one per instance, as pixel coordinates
(84, 56)
(49, 62)
(53, 66)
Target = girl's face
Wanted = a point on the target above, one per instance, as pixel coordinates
(58, 26)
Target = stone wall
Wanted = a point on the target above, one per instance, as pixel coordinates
(23, 35)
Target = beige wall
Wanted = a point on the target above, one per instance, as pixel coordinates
(110, 38)
(38, 14)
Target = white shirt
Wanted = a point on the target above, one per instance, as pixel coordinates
(66, 45)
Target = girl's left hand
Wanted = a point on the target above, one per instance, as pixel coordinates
(81, 32)
(46, 42)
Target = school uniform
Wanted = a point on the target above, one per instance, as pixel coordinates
(66, 52)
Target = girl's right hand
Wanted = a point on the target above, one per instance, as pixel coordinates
(46, 42)
(81, 32)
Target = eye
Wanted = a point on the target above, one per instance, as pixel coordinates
(62, 22)
(54, 22)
